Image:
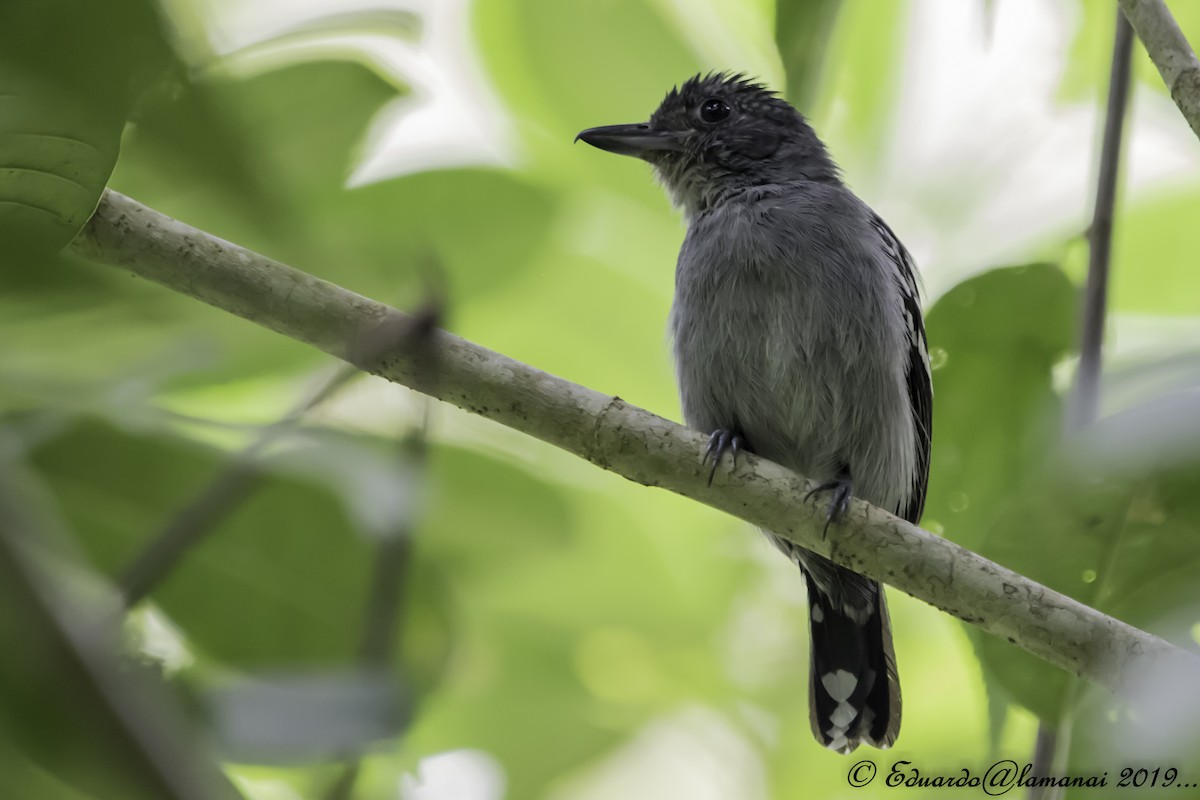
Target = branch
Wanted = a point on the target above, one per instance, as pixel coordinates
(238, 480)
(1169, 50)
(139, 741)
(1087, 386)
(636, 444)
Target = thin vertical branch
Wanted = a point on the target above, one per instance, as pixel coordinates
(1053, 742)
(384, 607)
(1086, 399)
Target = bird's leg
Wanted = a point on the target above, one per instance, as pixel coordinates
(721, 441)
(842, 488)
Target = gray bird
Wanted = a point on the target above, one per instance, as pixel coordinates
(798, 336)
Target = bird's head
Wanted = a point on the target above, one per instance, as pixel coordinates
(719, 134)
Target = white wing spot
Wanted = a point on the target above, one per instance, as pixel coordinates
(817, 614)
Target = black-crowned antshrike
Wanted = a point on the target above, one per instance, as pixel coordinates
(798, 336)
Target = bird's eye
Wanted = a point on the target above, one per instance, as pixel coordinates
(714, 109)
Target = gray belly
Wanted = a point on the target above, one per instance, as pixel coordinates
(816, 400)
(740, 369)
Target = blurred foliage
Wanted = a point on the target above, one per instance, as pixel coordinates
(562, 633)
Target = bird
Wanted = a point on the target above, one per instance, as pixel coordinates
(797, 335)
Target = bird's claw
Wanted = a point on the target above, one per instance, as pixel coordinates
(720, 442)
(843, 489)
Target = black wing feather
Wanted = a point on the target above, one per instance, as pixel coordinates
(920, 382)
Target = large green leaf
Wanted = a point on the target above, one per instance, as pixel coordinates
(297, 127)
(55, 158)
(993, 341)
(65, 91)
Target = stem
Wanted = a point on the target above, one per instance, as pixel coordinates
(393, 553)
(1086, 398)
(1085, 401)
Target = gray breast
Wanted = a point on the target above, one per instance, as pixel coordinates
(787, 328)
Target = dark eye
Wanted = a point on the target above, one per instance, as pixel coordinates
(714, 109)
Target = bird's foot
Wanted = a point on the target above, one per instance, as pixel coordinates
(842, 488)
(721, 441)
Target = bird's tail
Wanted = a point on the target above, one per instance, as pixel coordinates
(854, 690)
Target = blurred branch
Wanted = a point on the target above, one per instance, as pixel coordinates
(634, 443)
(142, 744)
(393, 552)
(1169, 50)
(239, 478)
(232, 485)
(1053, 742)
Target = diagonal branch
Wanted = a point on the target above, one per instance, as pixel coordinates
(139, 742)
(636, 444)
(1169, 50)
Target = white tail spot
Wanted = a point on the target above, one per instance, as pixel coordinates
(843, 715)
(840, 685)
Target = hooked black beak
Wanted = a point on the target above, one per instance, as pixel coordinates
(630, 140)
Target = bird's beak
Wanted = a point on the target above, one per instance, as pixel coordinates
(631, 140)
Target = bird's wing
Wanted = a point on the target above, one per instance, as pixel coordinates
(920, 384)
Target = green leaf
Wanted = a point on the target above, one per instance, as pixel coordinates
(68, 703)
(1113, 521)
(993, 341)
(55, 158)
(235, 595)
(482, 227)
(296, 129)
(65, 91)
(21, 777)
